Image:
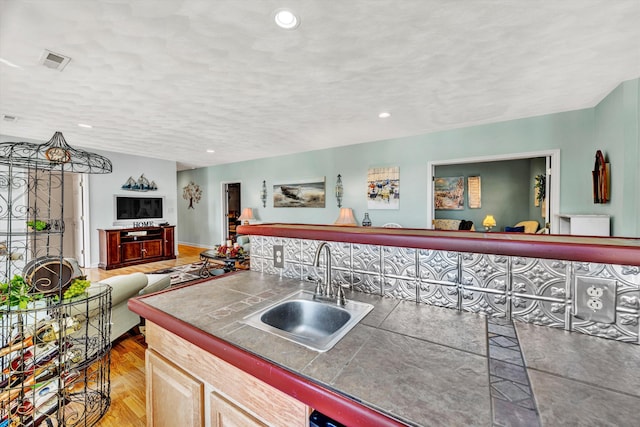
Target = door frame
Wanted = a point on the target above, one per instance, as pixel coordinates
(224, 204)
(80, 228)
(552, 171)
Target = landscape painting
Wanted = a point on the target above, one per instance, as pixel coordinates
(449, 193)
(383, 188)
(300, 194)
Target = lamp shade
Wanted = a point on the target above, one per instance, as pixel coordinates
(489, 221)
(346, 217)
(247, 214)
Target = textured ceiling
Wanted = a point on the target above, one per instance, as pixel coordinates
(171, 79)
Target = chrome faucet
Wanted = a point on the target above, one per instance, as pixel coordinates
(326, 290)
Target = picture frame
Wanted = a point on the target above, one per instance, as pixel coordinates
(383, 188)
(448, 193)
(306, 193)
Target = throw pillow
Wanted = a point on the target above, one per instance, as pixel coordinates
(514, 229)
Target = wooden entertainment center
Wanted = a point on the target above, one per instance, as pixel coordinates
(121, 247)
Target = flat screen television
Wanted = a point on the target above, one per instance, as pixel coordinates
(139, 207)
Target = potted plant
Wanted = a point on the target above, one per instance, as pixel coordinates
(37, 225)
(15, 293)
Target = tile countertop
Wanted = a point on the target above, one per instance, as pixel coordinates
(417, 364)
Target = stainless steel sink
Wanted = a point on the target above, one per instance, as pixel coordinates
(318, 325)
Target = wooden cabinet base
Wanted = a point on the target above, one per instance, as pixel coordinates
(234, 397)
(129, 246)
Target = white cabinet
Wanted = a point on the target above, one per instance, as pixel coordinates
(585, 225)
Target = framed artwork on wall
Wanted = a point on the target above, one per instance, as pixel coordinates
(383, 188)
(474, 192)
(449, 193)
(300, 194)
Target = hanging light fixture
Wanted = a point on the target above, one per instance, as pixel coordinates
(263, 194)
(339, 191)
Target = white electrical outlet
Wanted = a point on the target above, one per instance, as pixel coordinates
(278, 256)
(595, 299)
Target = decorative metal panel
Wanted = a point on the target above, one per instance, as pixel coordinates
(400, 288)
(532, 290)
(482, 271)
(292, 250)
(438, 265)
(366, 258)
(438, 294)
(399, 262)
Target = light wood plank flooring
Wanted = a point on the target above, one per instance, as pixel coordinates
(127, 353)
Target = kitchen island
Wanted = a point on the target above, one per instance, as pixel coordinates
(403, 364)
(467, 329)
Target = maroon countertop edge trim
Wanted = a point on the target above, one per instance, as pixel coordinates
(328, 402)
(499, 244)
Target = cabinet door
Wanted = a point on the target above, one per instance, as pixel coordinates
(174, 398)
(113, 247)
(168, 241)
(131, 251)
(152, 249)
(227, 414)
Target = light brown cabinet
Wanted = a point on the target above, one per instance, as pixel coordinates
(128, 246)
(172, 394)
(180, 373)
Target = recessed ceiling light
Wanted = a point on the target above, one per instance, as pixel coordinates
(286, 19)
(211, 151)
(384, 115)
(82, 125)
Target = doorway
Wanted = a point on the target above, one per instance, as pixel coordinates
(230, 209)
(552, 182)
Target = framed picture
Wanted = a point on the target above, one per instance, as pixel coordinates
(383, 188)
(474, 192)
(449, 193)
(300, 194)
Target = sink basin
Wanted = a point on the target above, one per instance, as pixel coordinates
(318, 325)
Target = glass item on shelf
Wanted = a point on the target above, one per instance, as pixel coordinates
(366, 221)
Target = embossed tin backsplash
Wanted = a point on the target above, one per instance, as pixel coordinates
(555, 293)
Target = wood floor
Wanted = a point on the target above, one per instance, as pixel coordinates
(127, 353)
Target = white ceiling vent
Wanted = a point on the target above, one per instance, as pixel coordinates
(8, 118)
(54, 60)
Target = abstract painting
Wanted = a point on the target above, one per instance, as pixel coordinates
(383, 188)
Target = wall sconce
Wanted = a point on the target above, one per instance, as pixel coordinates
(489, 222)
(247, 214)
(263, 194)
(339, 191)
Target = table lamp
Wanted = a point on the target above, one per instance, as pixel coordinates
(489, 222)
(346, 217)
(247, 214)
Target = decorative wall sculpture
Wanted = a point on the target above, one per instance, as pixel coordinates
(142, 184)
(192, 193)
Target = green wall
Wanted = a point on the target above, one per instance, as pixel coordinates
(612, 126)
(506, 189)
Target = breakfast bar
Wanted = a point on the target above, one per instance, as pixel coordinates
(470, 346)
